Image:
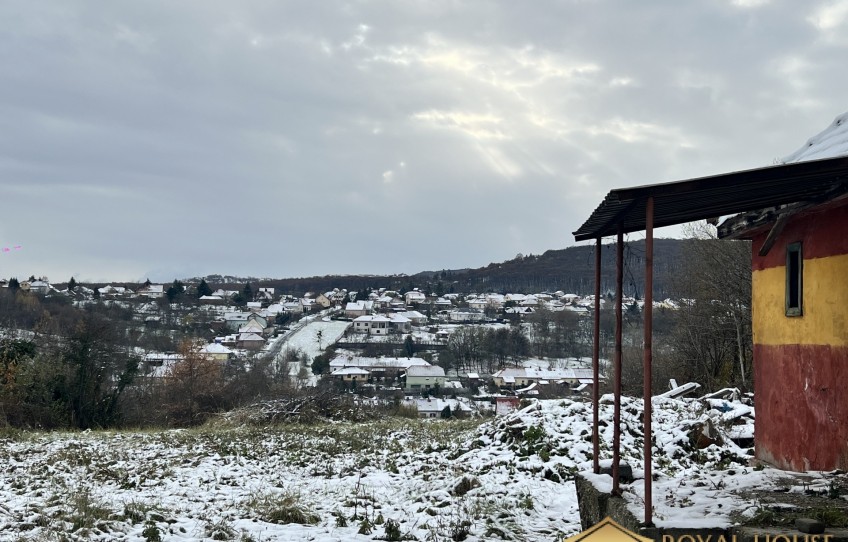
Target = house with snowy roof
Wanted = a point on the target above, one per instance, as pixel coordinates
(37, 286)
(152, 291)
(372, 324)
(355, 309)
(325, 299)
(414, 296)
(425, 377)
(466, 315)
(524, 376)
(435, 407)
(113, 291)
(250, 341)
(216, 352)
(384, 367)
(252, 326)
(351, 374)
(795, 214)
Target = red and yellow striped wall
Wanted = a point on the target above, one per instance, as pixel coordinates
(801, 362)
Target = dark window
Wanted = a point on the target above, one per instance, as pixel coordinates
(794, 280)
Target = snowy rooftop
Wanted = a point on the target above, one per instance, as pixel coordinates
(386, 362)
(425, 370)
(829, 143)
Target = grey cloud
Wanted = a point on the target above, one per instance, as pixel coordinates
(298, 138)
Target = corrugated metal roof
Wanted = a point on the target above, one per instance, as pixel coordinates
(719, 195)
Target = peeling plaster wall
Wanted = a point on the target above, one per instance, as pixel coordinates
(801, 362)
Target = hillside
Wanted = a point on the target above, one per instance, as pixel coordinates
(570, 269)
(505, 478)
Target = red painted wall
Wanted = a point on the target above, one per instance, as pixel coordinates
(801, 406)
(822, 230)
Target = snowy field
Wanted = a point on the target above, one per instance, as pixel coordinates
(507, 478)
(306, 338)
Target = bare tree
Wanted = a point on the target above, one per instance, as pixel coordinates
(194, 385)
(713, 334)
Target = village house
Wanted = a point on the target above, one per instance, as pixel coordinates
(152, 291)
(442, 304)
(466, 315)
(266, 294)
(356, 309)
(382, 324)
(524, 376)
(236, 320)
(425, 377)
(325, 300)
(111, 292)
(252, 326)
(293, 307)
(414, 317)
(250, 341)
(351, 374)
(383, 302)
(39, 286)
(414, 296)
(435, 407)
(216, 352)
(385, 368)
(307, 305)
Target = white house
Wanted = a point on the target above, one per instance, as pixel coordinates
(355, 309)
(152, 291)
(381, 325)
(414, 296)
(466, 315)
(425, 377)
(378, 367)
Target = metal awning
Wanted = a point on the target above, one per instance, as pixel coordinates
(715, 196)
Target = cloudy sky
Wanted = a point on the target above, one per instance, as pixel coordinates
(171, 139)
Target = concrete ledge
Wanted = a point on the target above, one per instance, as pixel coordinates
(595, 505)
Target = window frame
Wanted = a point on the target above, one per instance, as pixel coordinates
(794, 278)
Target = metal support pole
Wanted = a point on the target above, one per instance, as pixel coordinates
(619, 300)
(596, 360)
(648, 316)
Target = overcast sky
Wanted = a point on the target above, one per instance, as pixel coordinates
(171, 139)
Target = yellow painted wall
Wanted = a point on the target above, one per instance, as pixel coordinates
(825, 305)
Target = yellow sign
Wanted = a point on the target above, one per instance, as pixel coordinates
(607, 531)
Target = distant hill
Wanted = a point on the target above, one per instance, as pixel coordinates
(570, 269)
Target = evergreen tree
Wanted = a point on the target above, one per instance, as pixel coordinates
(14, 284)
(203, 288)
(248, 292)
(175, 291)
(72, 284)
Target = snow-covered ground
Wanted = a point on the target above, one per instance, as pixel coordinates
(314, 336)
(507, 478)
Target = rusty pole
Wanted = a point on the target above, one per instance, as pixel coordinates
(648, 316)
(596, 357)
(619, 299)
